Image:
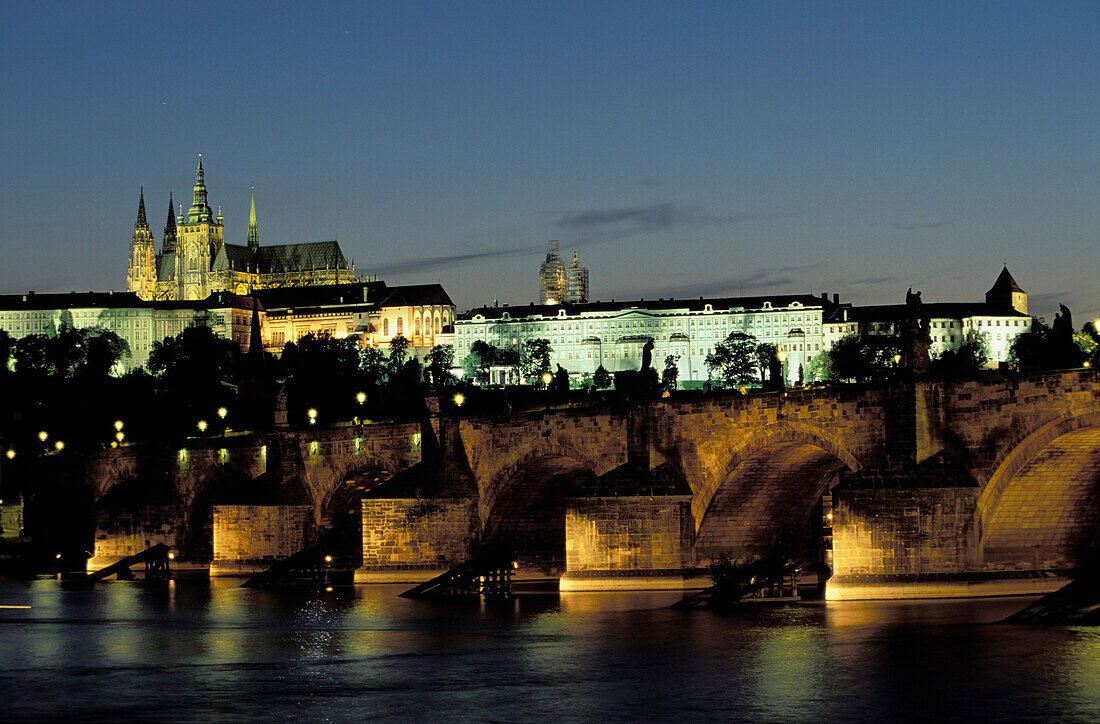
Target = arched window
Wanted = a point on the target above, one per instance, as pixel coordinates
(416, 325)
(438, 325)
(386, 327)
(400, 325)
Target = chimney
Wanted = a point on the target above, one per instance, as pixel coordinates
(836, 298)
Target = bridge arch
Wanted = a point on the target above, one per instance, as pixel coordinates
(523, 506)
(340, 511)
(1041, 506)
(767, 494)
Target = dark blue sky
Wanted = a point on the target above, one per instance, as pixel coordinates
(686, 148)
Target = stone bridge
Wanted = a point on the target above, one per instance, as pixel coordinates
(919, 479)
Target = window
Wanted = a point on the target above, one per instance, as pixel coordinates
(386, 327)
(400, 325)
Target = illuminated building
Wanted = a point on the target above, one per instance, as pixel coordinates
(585, 336)
(195, 260)
(1001, 318)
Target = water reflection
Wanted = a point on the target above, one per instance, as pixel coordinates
(211, 650)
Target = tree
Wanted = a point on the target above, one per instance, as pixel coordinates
(602, 379)
(856, 359)
(373, 366)
(671, 373)
(322, 373)
(535, 361)
(399, 352)
(967, 360)
(476, 364)
(440, 360)
(734, 360)
(820, 368)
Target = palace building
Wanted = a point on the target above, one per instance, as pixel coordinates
(195, 260)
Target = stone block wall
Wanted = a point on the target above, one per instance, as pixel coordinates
(260, 532)
(417, 533)
(119, 534)
(905, 532)
(628, 534)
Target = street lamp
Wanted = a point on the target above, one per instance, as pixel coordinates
(459, 399)
(312, 416)
(222, 412)
(120, 436)
(11, 454)
(361, 397)
(202, 425)
(59, 445)
(118, 425)
(43, 435)
(547, 378)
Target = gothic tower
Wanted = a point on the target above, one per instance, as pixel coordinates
(142, 276)
(1007, 293)
(199, 238)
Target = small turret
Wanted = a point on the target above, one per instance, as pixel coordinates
(142, 273)
(199, 212)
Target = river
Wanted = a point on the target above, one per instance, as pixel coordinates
(201, 650)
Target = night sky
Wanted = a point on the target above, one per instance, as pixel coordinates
(685, 148)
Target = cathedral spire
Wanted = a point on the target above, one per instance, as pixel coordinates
(141, 222)
(199, 212)
(253, 230)
(170, 229)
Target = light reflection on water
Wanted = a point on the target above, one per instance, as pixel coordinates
(212, 651)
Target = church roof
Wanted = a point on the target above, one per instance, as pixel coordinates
(300, 257)
(415, 295)
(1005, 284)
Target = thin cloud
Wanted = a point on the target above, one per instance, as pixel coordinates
(764, 278)
(409, 266)
(919, 225)
(666, 216)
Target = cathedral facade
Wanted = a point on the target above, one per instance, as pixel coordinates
(195, 261)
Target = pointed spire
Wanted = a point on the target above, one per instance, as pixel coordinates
(141, 222)
(199, 211)
(169, 229)
(253, 230)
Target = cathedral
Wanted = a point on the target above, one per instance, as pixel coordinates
(194, 260)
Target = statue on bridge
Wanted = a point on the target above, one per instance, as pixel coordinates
(915, 338)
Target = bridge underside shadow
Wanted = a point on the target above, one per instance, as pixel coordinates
(528, 515)
(771, 502)
(1048, 514)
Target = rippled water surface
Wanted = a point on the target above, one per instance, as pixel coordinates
(201, 650)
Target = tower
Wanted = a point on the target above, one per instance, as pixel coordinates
(253, 230)
(142, 276)
(169, 244)
(552, 284)
(576, 281)
(199, 240)
(1005, 292)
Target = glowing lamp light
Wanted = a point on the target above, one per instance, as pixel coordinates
(222, 412)
(10, 454)
(782, 355)
(202, 425)
(58, 556)
(1088, 364)
(547, 378)
(59, 445)
(171, 556)
(43, 435)
(312, 416)
(459, 399)
(361, 397)
(897, 359)
(328, 559)
(118, 425)
(114, 444)
(120, 436)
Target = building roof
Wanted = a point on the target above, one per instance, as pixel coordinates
(417, 295)
(717, 304)
(117, 300)
(306, 256)
(933, 310)
(1005, 284)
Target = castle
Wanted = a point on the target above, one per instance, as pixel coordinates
(195, 261)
